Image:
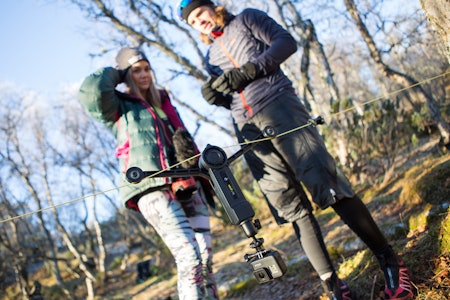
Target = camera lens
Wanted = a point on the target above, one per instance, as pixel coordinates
(262, 275)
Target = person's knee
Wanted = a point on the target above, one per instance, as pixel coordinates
(188, 256)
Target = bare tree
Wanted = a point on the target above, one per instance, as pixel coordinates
(402, 79)
(322, 102)
(39, 164)
(331, 73)
(18, 244)
(18, 161)
(155, 25)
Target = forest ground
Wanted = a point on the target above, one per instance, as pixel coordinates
(412, 209)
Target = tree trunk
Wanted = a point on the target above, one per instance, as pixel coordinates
(309, 42)
(65, 235)
(90, 289)
(438, 14)
(52, 246)
(101, 248)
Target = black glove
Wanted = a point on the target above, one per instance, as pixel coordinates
(185, 148)
(122, 74)
(214, 97)
(236, 79)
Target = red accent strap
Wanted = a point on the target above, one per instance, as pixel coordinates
(236, 65)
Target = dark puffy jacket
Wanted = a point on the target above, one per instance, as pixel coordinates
(252, 36)
(138, 130)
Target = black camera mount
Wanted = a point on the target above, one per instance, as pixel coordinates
(214, 165)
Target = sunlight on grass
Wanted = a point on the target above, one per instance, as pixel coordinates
(244, 285)
(350, 265)
(444, 237)
(427, 182)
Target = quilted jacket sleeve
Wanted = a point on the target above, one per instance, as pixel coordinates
(280, 43)
(98, 95)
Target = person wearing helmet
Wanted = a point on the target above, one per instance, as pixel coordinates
(243, 60)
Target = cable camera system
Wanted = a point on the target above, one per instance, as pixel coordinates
(213, 165)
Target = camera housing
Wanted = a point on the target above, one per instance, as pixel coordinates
(267, 265)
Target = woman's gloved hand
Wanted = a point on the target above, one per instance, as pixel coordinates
(237, 79)
(215, 97)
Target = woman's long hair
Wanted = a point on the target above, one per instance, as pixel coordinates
(153, 96)
(221, 18)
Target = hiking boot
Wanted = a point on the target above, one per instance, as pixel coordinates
(337, 289)
(398, 285)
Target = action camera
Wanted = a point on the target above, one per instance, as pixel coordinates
(267, 265)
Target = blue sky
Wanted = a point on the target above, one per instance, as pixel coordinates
(45, 46)
(42, 44)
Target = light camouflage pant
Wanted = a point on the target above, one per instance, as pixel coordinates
(185, 229)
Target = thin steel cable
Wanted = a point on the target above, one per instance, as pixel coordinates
(239, 144)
